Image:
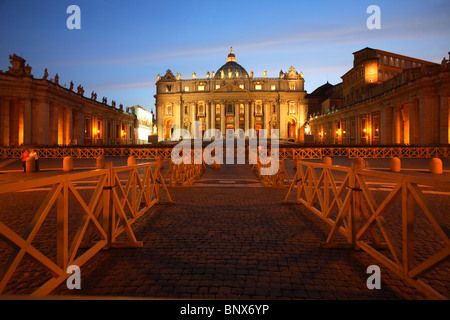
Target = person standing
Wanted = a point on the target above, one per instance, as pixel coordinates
(34, 154)
(24, 158)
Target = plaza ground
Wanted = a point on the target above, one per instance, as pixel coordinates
(226, 237)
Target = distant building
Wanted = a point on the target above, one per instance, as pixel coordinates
(42, 112)
(146, 126)
(384, 99)
(231, 98)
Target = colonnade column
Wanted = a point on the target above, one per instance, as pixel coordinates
(53, 124)
(68, 127)
(266, 112)
(4, 121)
(444, 134)
(236, 116)
(78, 128)
(414, 122)
(397, 125)
(13, 122)
(283, 117)
(193, 119)
(426, 113)
(208, 115)
(247, 115)
(61, 126)
(27, 122)
(222, 118)
(212, 107)
(42, 123)
(252, 115)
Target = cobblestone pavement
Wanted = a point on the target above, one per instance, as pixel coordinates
(226, 237)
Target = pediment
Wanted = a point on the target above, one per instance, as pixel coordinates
(230, 88)
(168, 77)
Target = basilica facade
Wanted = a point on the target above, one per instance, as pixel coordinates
(231, 99)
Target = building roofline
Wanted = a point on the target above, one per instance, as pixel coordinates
(395, 54)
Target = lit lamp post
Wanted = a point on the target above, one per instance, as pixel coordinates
(98, 135)
(366, 136)
(338, 134)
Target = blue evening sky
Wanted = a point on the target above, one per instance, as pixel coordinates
(123, 45)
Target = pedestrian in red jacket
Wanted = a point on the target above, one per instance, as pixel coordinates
(24, 157)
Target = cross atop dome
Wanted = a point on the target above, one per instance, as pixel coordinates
(231, 56)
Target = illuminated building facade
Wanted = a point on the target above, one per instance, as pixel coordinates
(146, 126)
(231, 98)
(42, 112)
(384, 99)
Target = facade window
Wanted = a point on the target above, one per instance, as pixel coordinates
(117, 131)
(273, 87)
(201, 109)
(258, 109)
(241, 86)
(168, 88)
(292, 109)
(291, 85)
(241, 109)
(218, 109)
(258, 87)
(168, 110)
(201, 88)
(230, 108)
(217, 86)
(186, 89)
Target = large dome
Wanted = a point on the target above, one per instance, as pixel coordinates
(231, 69)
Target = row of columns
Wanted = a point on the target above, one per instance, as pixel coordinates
(27, 121)
(249, 115)
(420, 121)
(39, 122)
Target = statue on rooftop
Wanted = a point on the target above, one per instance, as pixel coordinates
(17, 66)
